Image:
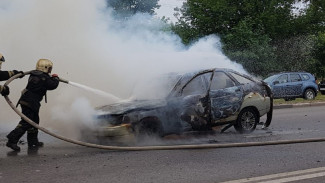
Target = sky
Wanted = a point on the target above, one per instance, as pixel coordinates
(167, 8)
(87, 46)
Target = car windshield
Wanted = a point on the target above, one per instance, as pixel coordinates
(270, 79)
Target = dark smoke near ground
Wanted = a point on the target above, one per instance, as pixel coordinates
(89, 47)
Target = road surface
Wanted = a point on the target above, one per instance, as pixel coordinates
(62, 162)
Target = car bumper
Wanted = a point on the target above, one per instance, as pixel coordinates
(113, 131)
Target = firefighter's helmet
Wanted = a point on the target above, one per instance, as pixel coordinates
(44, 65)
(2, 59)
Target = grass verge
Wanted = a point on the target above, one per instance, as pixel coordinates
(319, 98)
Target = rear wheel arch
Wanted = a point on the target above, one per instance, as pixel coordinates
(308, 95)
(253, 108)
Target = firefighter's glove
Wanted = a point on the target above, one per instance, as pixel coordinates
(19, 72)
(4, 90)
(55, 76)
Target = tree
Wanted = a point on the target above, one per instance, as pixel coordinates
(265, 36)
(319, 56)
(126, 8)
(210, 16)
(251, 49)
(295, 53)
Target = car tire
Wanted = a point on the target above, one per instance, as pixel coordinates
(322, 92)
(247, 120)
(309, 94)
(148, 127)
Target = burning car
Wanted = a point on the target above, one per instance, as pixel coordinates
(198, 101)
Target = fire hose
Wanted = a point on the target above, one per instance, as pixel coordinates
(145, 148)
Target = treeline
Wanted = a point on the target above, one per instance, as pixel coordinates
(265, 36)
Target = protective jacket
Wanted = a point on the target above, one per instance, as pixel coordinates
(38, 83)
(5, 75)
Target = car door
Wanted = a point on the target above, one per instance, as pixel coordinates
(279, 86)
(225, 97)
(192, 102)
(294, 87)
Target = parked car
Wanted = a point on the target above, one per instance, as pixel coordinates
(198, 101)
(321, 87)
(292, 85)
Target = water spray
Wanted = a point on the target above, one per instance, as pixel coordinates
(96, 91)
(145, 148)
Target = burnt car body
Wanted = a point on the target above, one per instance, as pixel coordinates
(198, 101)
(321, 87)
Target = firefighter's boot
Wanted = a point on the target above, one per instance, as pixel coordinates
(13, 146)
(32, 139)
(13, 138)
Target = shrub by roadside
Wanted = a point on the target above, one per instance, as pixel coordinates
(319, 98)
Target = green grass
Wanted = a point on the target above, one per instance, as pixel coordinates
(319, 98)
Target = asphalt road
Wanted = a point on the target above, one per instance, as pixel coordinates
(62, 162)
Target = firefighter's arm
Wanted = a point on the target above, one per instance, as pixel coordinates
(53, 82)
(17, 72)
(4, 75)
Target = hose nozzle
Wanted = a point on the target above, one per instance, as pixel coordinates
(63, 80)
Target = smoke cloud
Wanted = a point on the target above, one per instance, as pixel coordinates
(89, 47)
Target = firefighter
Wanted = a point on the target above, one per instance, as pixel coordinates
(4, 75)
(39, 82)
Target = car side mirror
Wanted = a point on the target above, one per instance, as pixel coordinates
(276, 82)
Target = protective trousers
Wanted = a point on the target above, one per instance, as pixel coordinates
(23, 126)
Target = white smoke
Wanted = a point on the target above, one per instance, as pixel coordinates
(78, 115)
(88, 46)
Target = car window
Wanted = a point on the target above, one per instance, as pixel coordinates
(295, 77)
(283, 78)
(197, 86)
(182, 81)
(221, 80)
(240, 79)
(305, 77)
(270, 79)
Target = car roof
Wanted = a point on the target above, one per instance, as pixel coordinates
(190, 75)
(289, 72)
(215, 69)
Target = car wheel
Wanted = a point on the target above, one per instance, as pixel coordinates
(148, 127)
(247, 120)
(309, 94)
(322, 92)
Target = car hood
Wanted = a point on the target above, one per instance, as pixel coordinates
(129, 106)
